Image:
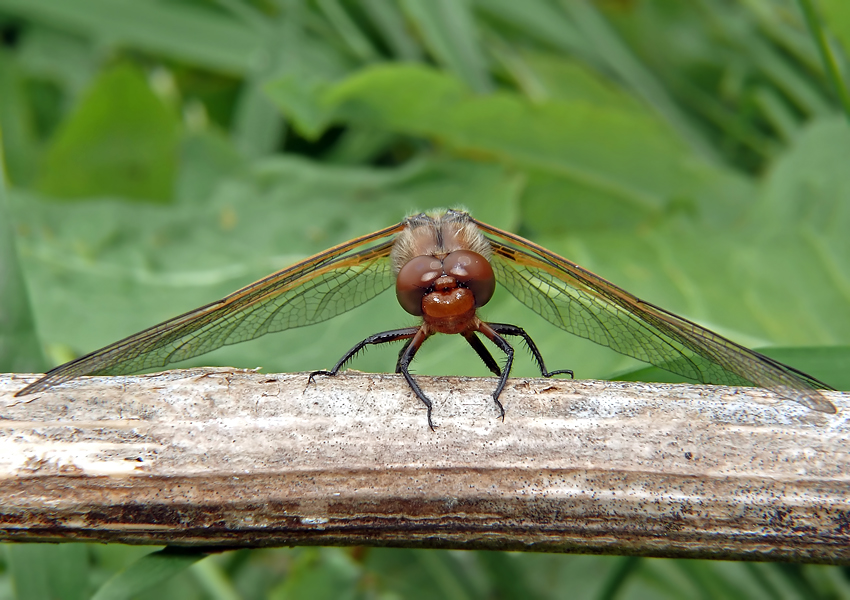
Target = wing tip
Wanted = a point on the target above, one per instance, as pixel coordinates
(39, 385)
(824, 406)
(32, 388)
(817, 402)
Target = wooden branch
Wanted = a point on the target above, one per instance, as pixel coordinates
(231, 458)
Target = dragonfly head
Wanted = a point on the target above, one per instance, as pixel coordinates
(445, 288)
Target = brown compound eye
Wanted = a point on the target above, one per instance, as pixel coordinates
(472, 271)
(413, 282)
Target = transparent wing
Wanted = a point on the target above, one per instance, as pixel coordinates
(586, 305)
(314, 290)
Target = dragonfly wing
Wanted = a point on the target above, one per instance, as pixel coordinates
(587, 305)
(312, 291)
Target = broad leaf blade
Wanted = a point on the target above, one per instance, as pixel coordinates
(147, 572)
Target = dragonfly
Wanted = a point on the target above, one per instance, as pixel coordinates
(445, 265)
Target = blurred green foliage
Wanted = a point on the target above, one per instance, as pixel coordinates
(161, 154)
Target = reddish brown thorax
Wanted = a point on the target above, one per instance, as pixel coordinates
(440, 275)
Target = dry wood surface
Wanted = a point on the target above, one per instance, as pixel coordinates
(233, 458)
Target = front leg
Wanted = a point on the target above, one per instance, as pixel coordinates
(415, 337)
(404, 360)
(378, 338)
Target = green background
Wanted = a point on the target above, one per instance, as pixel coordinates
(160, 154)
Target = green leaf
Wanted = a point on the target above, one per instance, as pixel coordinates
(147, 572)
(359, 145)
(620, 58)
(120, 141)
(177, 30)
(57, 56)
(450, 32)
(802, 275)
(320, 574)
(420, 574)
(257, 124)
(357, 42)
(836, 14)
(299, 97)
(388, 20)
(827, 53)
(307, 68)
(569, 80)
(507, 575)
(17, 122)
(626, 155)
(49, 571)
(214, 579)
(539, 20)
(20, 350)
(206, 158)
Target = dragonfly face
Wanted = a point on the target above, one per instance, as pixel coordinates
(444, 266)
(442, 270)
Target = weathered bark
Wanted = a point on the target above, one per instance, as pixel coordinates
(230, 458)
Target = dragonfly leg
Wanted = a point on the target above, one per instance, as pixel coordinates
(400, 354)
(505, 347)
(404, 361)
(379, 338)
(506, 329)
(482, 352)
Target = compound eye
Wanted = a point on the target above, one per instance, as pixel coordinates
(472, 271)
(414, 280)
